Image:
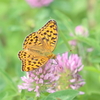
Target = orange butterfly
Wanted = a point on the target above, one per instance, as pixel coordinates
(38, 47)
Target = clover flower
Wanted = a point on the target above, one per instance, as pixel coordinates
(89, 49)
(38, 3)
(58, 74)
(72, 42)
(82, 31)
(79, 31)
(69, 68)
(41, 79)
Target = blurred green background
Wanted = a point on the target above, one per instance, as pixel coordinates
(18, 19)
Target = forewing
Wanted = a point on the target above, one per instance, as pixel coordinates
(31, 40)
(31, 60)
(49, 35)
(46, 37)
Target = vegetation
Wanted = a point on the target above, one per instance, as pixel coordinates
(18, 19)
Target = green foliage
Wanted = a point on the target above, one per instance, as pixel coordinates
(18, 19)
(63, 95)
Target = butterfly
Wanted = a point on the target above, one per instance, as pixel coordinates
(38, 47)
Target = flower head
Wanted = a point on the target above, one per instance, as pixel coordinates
(69, 67)
(73, 42)
(41, 79)
(39, 3)
(79, 31)
(56, 75)
(89, 49)
(82, 31)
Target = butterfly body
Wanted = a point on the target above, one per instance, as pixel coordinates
(38, 47)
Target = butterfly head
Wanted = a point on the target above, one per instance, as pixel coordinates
(51, 55)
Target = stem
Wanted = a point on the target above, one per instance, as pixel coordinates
(91, 13)
(36, 98)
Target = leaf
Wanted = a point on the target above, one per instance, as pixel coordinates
(89, 41)
(92, 69)
(63, 95)
(8, 80)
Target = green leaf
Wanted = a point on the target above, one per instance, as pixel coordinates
(89, 41)
(8, 80)
(63, 95)
(92, 69)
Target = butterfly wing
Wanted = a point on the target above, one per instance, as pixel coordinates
(32, 40)
(38, 46)
(49, 35)
(31, 60)
(46, 37)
